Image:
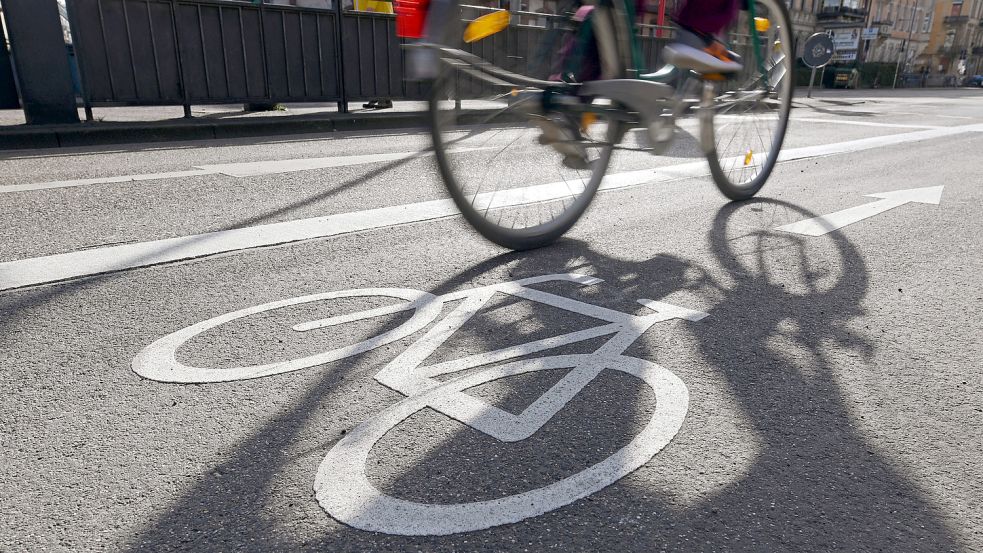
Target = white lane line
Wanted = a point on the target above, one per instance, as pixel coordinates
(875, 142)
(101, 180)
(53, 268)
(245, 169)
(863, 123)
(256, 168)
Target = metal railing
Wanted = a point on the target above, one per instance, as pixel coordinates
(184, 52)
(167, 52)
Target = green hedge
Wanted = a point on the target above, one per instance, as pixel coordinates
(882, 73)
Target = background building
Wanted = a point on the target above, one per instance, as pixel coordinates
(955, 48)
(903, 31)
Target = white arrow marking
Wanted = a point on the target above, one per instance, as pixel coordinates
(818, 226)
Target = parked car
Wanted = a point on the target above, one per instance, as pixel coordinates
(975, 80)
(846, 77)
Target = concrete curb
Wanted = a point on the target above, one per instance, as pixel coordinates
(92, 134)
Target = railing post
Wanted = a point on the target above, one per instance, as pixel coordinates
(41, 61)
(80, 56)
(8, 89)
(340, 53)
(269, 105)
(182, 78)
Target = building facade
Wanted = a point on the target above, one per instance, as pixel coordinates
(903, 30)
(955, 48)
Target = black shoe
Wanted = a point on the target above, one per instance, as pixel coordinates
(378, 104)
(564, 137)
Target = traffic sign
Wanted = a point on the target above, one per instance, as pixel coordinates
(818, 50)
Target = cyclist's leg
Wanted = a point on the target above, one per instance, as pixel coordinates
(708, 17)
(695, 45)
(589, 53)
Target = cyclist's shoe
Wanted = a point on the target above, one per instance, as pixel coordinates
(565, 138)
(701, 53)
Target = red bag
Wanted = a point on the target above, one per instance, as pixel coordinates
(411, 16)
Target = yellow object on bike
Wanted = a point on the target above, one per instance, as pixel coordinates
(748, 157)
(486, 25)
(586, 120)
(761, 24)
(376, 6)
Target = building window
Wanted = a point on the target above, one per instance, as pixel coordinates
(927, 23)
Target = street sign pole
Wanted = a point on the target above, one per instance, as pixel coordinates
(817, 52)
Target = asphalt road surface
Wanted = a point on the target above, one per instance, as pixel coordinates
(164, 387)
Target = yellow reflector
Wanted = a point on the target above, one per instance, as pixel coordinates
(486, 26)
(586, 120)
(748, 157)
(761, 24)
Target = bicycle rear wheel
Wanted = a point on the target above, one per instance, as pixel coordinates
(744, 118)
(504, 148)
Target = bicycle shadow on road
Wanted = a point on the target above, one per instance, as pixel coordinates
(806, 477)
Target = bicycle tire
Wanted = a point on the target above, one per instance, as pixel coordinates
(735, 168)
(505, 207)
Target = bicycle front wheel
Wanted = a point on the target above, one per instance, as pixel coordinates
(744, 118)
(522, 171)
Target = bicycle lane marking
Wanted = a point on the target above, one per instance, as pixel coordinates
(345, 492)
(342, 486)
(66, 266)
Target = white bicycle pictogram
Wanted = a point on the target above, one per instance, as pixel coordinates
(342, 487)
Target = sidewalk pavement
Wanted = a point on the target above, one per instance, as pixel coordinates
(123, 125)
(120, 125)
